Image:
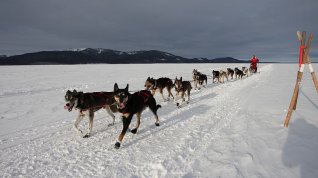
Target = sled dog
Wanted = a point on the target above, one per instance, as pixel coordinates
(230, 72)
(88, 104)
(199, 78)
(130, 104)
(238, 73)
(182, 87)
(160, 84)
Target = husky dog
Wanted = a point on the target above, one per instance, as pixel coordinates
(182, 87)
(89, 103)
(199, 78)
(245, 71)
(160, 84)
(238, 73)
(230, 72)
(130, 104)
(223, 74)
(216, 75)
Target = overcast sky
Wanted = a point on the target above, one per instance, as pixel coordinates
(189, 28)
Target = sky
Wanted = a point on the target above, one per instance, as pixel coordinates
(188, 28)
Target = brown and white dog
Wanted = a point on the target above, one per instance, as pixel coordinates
(182, 87)
(88, 104)
(223, 74)
(245, 71)
(131, 104)
(160, 84)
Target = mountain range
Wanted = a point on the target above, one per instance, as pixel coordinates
(104, 56)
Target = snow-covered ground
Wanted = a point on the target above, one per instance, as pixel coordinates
(233, 129)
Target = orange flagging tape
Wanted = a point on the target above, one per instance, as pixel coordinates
(301, 52)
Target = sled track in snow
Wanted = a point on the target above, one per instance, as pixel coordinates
(183, 135)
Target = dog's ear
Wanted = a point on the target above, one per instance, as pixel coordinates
(127, 86)
(148, 78)
(115, 87)
(74, 91)
(181, 79)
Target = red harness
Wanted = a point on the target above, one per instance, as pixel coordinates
(144, 94)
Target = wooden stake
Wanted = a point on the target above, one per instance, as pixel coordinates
(306, 60)
(302, 40)
(311, 69)
(299, 35)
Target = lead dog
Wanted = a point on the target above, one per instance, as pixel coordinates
(160, 84)
(130, 104)
(88, 104)
(182, 87)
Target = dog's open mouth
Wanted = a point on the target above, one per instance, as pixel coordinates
(68, 107)
(121, 105)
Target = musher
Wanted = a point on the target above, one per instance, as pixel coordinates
(254, 60)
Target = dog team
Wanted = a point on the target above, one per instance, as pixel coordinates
(129, 104)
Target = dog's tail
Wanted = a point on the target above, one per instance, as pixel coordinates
(158, 106)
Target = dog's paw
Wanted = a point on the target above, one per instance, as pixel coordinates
(157, 124)
(86, 136)
(134, 131)
(117, 145)
(77, 130)
(178, 104)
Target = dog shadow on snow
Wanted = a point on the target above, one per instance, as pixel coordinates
(183, 116)
(300, 149)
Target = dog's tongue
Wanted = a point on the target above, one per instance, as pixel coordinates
(121, 105)
(66, 107)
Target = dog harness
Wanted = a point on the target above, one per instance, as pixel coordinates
(144, 94)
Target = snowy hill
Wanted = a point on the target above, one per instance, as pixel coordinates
(104, 56)
(233, 129)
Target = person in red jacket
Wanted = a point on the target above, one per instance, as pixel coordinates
(254, 62)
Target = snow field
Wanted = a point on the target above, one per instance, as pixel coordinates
(228, 130)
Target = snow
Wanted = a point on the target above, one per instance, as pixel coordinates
(77, 49)
(233, 129)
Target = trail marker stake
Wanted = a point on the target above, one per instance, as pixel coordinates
(303, 60)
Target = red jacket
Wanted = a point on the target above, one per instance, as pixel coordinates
(254, 61)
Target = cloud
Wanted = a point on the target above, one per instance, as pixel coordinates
(190, 28)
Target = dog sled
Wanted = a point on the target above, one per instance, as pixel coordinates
(253, 68)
